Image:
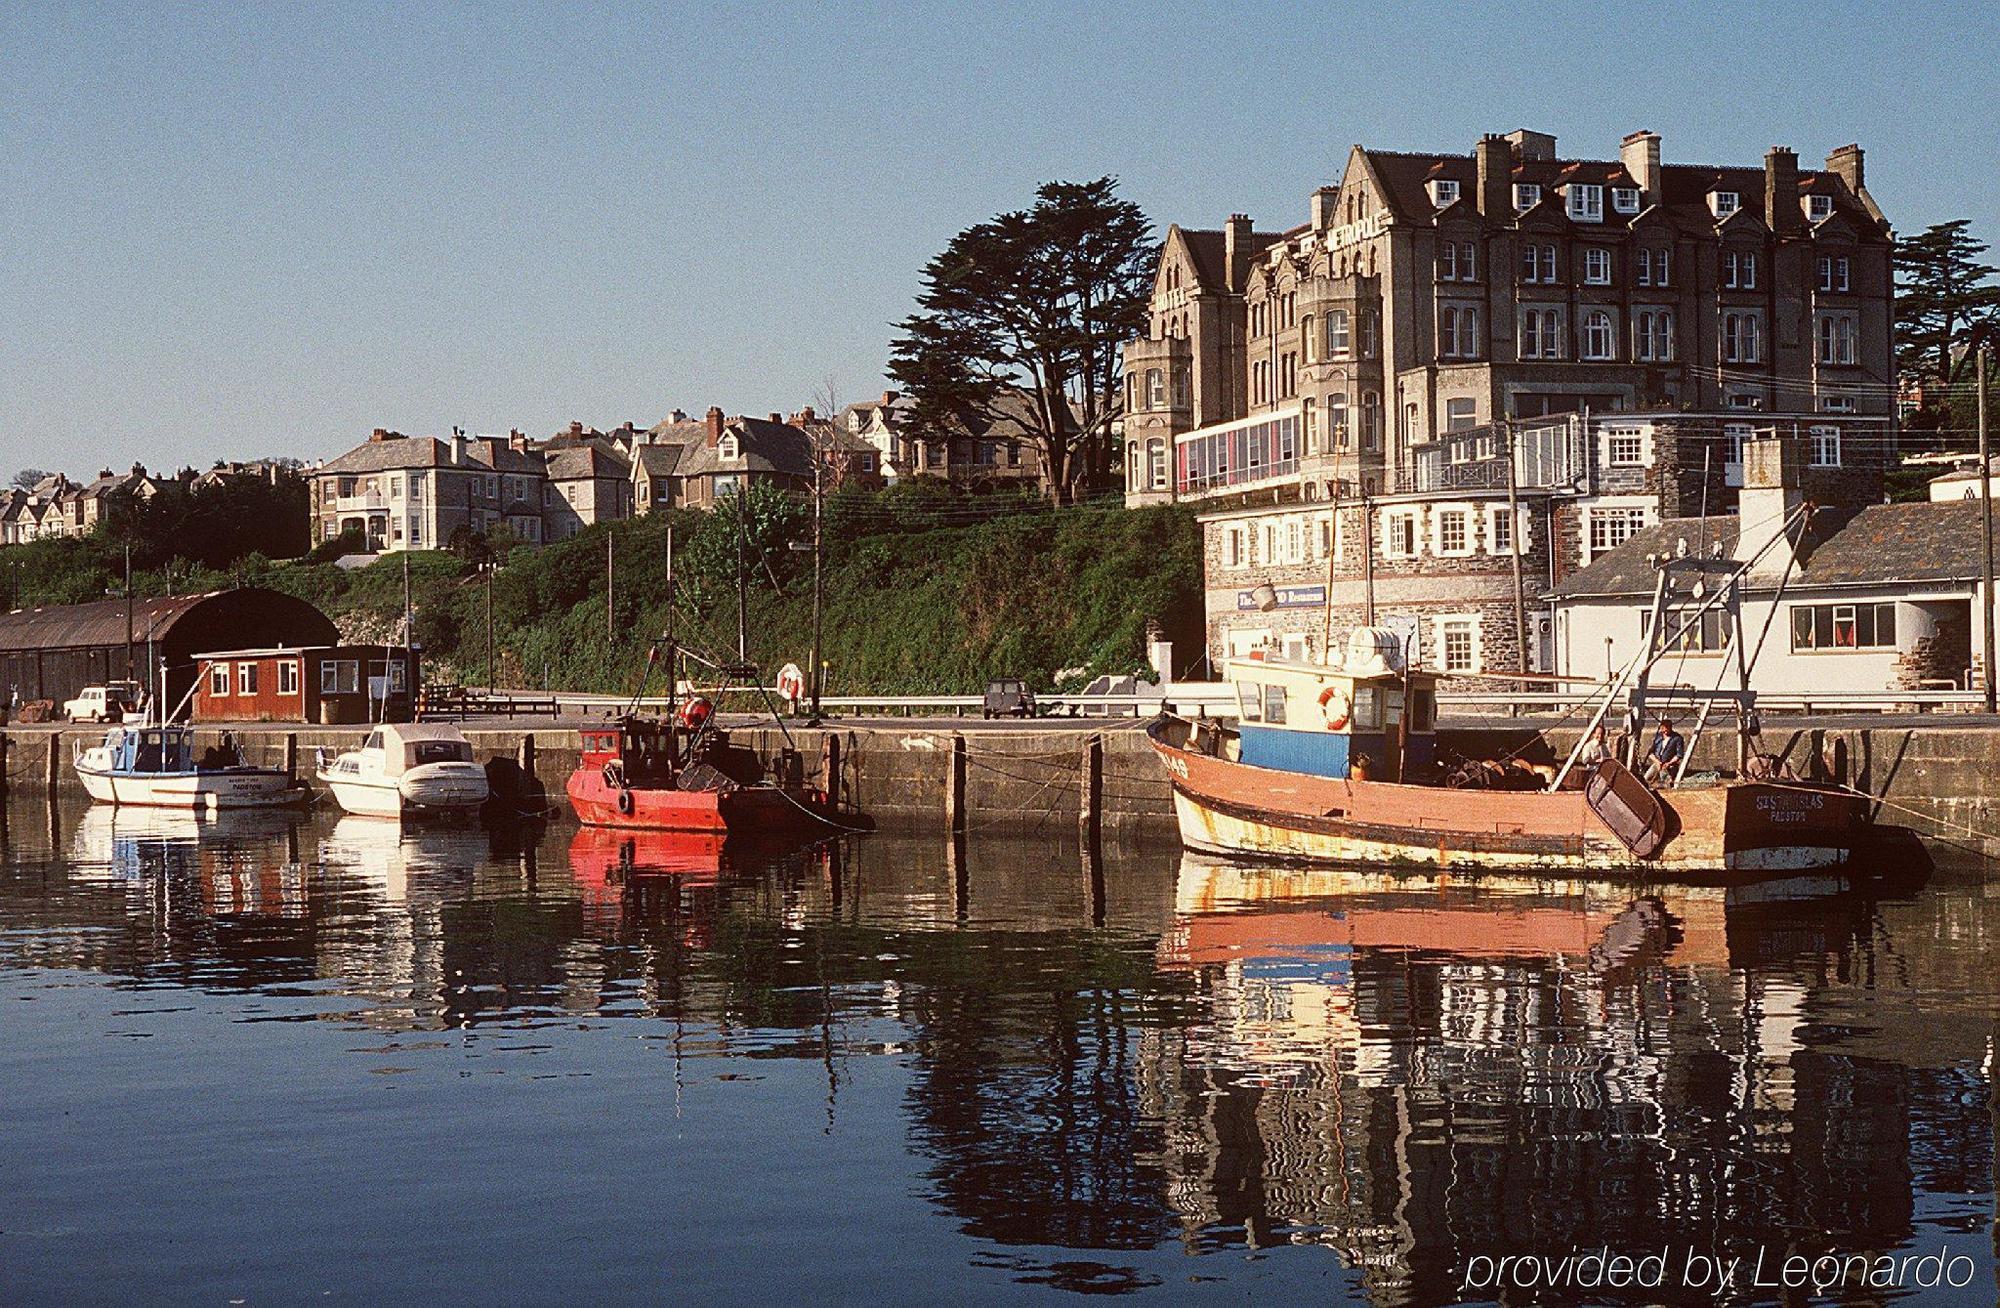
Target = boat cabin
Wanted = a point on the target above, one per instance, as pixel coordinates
(151, 750)
(413, 745)
(1372, 723)
(642, 749)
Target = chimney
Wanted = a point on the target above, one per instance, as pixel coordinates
(1769, 496)
(1494, 161)
(1781, 192)
(379, 434)
(806, 415)
(1236, 252)
(1640, 153)
(457, 446)
(776, 418)
(678, 415)
(517, 440)
(103, 473)
(1845, 163)
(1323, 201)
(1538, 146)
(888, 398)
(138, 469)
(714, 425)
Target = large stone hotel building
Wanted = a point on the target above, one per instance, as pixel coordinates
(1342, 397)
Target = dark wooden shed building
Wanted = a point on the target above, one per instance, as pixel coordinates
(53, 653)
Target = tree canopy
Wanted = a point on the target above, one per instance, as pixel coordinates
(1019, 325)
(1944, 293)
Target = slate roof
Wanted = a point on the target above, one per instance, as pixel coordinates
(771, 447)
(658, 460)
(584, 462)
(1880, 545)
(1684, 188)
(1208, 249)
(427, 452)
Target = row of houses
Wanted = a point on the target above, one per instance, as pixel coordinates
(55, 506)
(398, 492)
(1473, 392)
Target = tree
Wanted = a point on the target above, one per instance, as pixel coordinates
(1943, 294)
(29, 478)
(1019, 326)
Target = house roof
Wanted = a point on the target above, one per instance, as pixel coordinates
(1683, 192)
(1880, 545)
(658, 460)
(1208, 249)
(586, 461)
(396, 452)
(770, 447)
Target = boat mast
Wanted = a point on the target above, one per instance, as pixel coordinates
(742, 572)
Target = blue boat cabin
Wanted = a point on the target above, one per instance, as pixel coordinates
(1373, 725)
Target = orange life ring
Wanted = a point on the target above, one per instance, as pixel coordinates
(1336, 718)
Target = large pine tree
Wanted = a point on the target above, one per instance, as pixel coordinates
(1944, 293)
(1019, 325)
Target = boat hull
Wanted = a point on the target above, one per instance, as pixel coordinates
(746, 810)
(230, 788)
(1236, 809)
(419, 793)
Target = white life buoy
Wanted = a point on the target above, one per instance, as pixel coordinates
(1336, 708)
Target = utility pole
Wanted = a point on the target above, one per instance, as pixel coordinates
(129, 607)
(742, 571)
(610, 593)
(491, 680)
(819, 588)
(1985, 534)
(1514, 547)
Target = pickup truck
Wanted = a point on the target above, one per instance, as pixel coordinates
(106, 703)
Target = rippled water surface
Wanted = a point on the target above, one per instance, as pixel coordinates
(272, 1060)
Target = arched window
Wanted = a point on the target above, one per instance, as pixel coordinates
(1132, 466)
(1156, 389)
(1597, 335)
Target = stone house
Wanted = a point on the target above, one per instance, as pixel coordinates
(587, 483)
(402, 492)
(1856, 599)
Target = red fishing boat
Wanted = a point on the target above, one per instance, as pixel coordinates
(682, 773)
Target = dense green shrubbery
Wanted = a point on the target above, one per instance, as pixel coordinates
(912, 606)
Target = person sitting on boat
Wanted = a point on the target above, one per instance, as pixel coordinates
(1665, 755)
(1595, 750)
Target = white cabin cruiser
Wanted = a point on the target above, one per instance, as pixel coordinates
(406, 769)
(156, 767)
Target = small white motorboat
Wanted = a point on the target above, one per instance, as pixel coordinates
(406, 769)
(155, 767)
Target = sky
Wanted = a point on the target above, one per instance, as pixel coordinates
(240, 231)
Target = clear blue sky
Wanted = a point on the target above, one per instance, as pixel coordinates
(237, 231)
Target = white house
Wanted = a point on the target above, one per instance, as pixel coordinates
(1855, 600)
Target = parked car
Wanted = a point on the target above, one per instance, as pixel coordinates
(1008, 697)
(106, 703)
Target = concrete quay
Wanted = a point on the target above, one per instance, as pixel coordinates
(1939, 774)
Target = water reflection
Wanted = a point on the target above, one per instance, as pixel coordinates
(1365, 1076)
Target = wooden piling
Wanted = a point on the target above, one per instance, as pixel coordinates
(954, 788)
(525, 756)
(54, 762)
(1090, 799)
(1093, 881)
(3, 767)
(291, 756)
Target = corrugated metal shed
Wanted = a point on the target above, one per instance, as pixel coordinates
(79, 626)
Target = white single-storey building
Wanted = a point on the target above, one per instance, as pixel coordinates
(1849, 601)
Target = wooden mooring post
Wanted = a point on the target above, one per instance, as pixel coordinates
(1090, 798)
(291, 756)
(954, 787)
(830, 769)
(54, 761)
(3, 767)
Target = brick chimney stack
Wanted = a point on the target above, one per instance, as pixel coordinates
(1640, 153)
(1781, 192)
(1323, 204)
(379, 434)
(714, 423)
(775, 417)
(517, 440)
(889, 398)
(1845, 163)
(1236, 252)
(1494, 159)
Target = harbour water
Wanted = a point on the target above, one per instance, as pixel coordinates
(273, 1059)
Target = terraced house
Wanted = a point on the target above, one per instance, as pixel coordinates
(1360, 399)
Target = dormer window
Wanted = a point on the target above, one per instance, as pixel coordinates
(1526, 196)
(1586, 203)
(1819, 208)
(725, 448)
(1724, 203)
(1444, 192)
(1624, 199)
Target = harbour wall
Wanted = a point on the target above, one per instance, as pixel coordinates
(1942, 779)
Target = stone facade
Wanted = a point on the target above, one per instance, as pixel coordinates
(1626, 326)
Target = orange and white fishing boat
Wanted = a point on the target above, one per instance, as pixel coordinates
(1340, 764)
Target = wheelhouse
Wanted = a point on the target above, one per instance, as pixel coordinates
(1303, 717)
(151, 749)
(641, 749)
